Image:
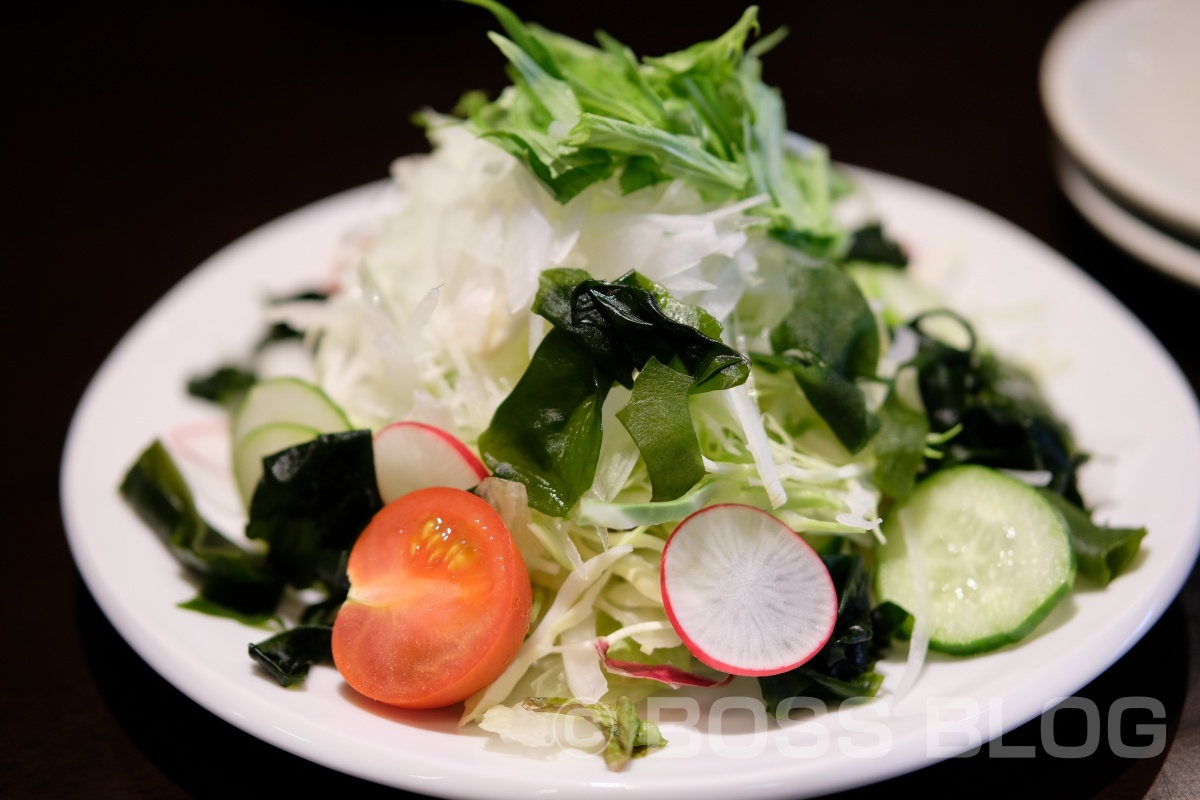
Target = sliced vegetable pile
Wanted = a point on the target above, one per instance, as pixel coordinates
(623, 399)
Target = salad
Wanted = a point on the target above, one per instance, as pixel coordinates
(631, 391)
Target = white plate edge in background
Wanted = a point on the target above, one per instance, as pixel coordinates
(1063, 59)
(1125, 229)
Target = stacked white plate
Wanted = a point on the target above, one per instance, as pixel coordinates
(1120, 80)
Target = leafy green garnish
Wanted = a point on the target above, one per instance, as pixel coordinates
(547, 432)
(312, 502)
(660, 423)
(577, 114)
(234, 582)
(627, 736)
(257, 619)
(227, 384)
(899, 446)
(626, 322)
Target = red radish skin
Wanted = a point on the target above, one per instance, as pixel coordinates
(663, 673)
(439, 601)
(413, 455)
(715, 570)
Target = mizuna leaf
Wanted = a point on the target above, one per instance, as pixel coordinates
(577, 114)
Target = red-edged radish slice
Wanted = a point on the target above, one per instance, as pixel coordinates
(745, 593)
(413, 455)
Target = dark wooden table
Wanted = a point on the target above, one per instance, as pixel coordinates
(141, 137)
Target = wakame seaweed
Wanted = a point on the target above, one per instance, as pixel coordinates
(994, 411)
(1101, 552)
(311, 504)
(546, 434)
(226, 385)
(829, 339)
(288, 656)
(234, 582)
(872, 245)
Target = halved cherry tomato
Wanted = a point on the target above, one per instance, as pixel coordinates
(439, 601)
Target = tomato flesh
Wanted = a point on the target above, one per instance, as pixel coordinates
(439, 601)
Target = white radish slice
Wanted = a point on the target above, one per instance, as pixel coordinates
(413, 455)
(745, 593)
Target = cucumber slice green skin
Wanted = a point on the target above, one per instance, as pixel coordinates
(263, 441)
(276, 414)
(996, 554)
(292, 400)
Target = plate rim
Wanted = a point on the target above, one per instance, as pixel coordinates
(1137, 237)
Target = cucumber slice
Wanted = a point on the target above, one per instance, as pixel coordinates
(286, 401)
(259, 443)
(995, 555)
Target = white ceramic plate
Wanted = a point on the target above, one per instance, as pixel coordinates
(1128, 231)
(1120, 81)
(1127, 401)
